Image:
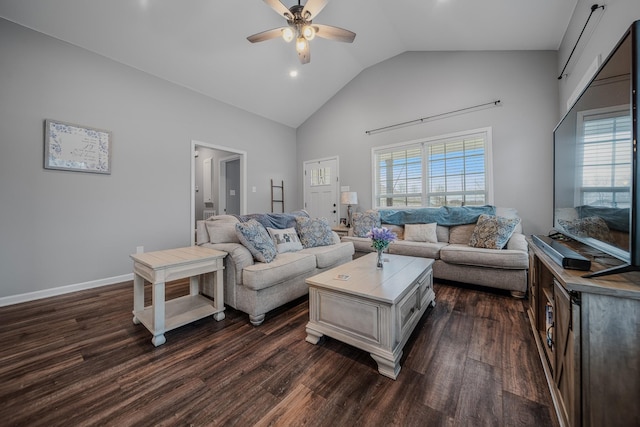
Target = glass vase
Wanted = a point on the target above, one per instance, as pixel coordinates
(379, 259)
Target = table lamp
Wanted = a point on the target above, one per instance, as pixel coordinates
(349, 198)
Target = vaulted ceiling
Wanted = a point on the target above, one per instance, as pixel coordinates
(202, 44)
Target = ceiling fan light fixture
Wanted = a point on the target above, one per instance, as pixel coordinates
(308, 32)
(299, 27)
(287, 34)
(302, 45)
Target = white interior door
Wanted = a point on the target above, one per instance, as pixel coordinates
(321, 185)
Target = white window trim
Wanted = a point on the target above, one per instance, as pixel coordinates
(488, 160)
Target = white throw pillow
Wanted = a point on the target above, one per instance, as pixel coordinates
(286, 240)
(421, 233)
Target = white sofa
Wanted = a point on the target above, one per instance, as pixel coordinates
(457, 261)
(258, 287)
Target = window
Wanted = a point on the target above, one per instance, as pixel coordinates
(604, 162)
(451, 170)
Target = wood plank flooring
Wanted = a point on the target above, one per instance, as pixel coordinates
(78, 360)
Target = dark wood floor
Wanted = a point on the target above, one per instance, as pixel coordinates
(78, 359)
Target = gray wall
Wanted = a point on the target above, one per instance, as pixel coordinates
(68, 228)
(600, 37)
(420, 84)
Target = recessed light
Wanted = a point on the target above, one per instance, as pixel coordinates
(293, 73)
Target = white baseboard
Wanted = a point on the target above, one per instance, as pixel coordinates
(31, 296)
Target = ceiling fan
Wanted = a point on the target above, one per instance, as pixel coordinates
(301, 27)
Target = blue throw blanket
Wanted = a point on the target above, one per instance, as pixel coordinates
(279, 221)
(445, 215)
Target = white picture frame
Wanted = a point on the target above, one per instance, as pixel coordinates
(76, 148)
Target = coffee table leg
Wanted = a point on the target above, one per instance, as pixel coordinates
(313, 336)
(388, 368)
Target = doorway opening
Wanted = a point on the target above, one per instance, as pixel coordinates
(218, 181)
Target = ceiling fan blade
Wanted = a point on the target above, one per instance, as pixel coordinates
(280, 8)
(334, 33)
(313, 7)
(266, 35)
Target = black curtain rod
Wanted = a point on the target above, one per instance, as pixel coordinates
(593, 9)
(369, 132)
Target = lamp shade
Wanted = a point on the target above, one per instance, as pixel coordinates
(349, 198)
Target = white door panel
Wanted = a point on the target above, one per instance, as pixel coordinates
(321, 189)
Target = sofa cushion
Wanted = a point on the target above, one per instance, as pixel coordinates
(398, 229)
(284, 267)
(421, 232)
(286, 240)
(255, 238)
(461, 234)
(363, 222)
(326, 256)
(314, 232)
(419, 249)
(467, 255)
(442, 232)
(222, 232)
(492, 232)
(202, 236)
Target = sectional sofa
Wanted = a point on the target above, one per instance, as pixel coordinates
(256, 285)
(463, 251)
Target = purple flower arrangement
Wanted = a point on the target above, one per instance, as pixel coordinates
(381, 238)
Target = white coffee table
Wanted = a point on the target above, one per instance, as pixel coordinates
(173, 264)
(373, 309)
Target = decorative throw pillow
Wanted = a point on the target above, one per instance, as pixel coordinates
(363, 222)
(286, 240)
(592, 226)
(222, 232)
(314, 232)
(492, 232)
(421, 232)
(398, 229)
(255, 238)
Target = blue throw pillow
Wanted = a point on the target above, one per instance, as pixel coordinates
(363, 222)
(493, 232)
(314, 232)
(255, 238)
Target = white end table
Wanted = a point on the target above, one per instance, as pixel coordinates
(173, 264)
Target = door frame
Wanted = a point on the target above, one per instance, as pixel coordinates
(242, 155)
(222, 182)
(337, 183)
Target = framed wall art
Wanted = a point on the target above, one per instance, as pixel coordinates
(76, 148)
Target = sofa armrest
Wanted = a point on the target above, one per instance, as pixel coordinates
(517, 242)
(238, 256)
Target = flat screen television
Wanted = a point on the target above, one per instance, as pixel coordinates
(596, 164)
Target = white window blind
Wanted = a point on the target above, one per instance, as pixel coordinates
(399, 180)
(605, 160)
(442, 171)
(456, 171)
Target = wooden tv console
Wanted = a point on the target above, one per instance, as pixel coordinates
(590, 346)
